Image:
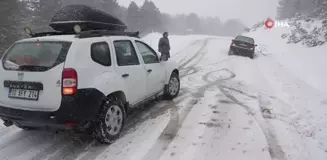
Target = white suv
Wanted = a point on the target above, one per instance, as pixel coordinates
(81, 81)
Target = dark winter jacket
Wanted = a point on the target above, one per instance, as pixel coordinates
(164, 46)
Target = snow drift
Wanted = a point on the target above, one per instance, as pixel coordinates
(302, 59)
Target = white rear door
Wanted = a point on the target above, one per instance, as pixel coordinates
(155, 70)
(131, 70)
(31, 74)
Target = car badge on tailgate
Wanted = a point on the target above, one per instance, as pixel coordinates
(58, 83)
(20, 76)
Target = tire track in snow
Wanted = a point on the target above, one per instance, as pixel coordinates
(169, 133)
(5, 131)
(173, 126)
(176, 120)
(14, 138)
(16, 144)
(134, 119)
(275, 149)
(198, 57)
(73, 149)
(137, 118)
(116, 151)
(67, 147)
(195, 55)
(22, 149)
(52, 148)
(302, 114)
(183, 50)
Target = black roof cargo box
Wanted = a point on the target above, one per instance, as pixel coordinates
(88, 18)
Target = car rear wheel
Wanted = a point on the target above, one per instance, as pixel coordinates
(172, 89)
(110, 121)
(26, 128)
(251, 56)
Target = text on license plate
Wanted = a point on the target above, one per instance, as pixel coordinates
(23, 94)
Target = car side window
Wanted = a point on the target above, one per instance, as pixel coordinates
(148, 54)
(125, 53)
(100, 53)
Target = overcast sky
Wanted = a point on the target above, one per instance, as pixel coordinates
(248, 11)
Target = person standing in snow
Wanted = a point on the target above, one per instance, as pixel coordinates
(164, 47)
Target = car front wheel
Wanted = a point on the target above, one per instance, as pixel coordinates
(252, 56)
(172, 89)
(230, 52)
(110, 121)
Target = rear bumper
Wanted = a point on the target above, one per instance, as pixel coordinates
(79, 108)
(242, 51)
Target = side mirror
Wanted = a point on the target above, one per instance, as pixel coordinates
(255, 45)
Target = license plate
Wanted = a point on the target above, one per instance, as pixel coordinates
(23, 94)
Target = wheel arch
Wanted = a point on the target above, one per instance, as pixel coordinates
(176, 71)
(170, 73)
(120, 95)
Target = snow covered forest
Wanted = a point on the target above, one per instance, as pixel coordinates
(307, 18)
(36, 14)
(291, 8)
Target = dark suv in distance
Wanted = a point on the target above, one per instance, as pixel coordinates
(243, 46)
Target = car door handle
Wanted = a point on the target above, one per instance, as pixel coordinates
(150, 70)
(125, 75)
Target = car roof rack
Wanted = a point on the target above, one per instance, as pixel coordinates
(89, 34)
(99, 33)
(43, 34)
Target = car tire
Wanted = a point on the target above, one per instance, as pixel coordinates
(26, 128)
(172, 89)
(252, 56)
(111, 120)
(230, 52)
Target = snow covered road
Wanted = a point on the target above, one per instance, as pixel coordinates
(229, 108)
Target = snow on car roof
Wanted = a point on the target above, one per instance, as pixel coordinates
(69, 38)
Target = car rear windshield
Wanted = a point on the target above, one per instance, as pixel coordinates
(35, 56)
(245, 39)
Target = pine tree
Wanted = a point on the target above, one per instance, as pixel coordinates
(179, 24)
(133, 17)
(321, 9)
(304, 7)
(212, 26)
(232, 27)
(167, 23)
(194, 22)
(13, 20)
(150, 17)
(109, 6)
(285, 9)
(42, 13)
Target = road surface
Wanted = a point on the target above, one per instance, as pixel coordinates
(229, 107)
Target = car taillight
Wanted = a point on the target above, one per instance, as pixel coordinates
(69, 81)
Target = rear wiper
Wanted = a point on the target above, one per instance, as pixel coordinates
(33, 68)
